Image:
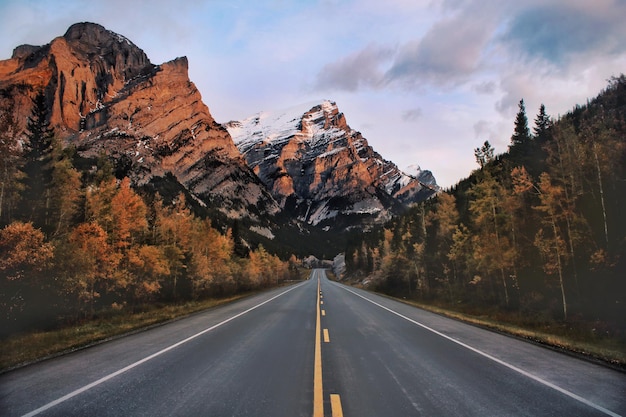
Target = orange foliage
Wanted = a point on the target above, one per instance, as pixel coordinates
(22, 249)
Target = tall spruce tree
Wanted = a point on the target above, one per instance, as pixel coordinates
(542, 124)
(38, 165)
(521, 134)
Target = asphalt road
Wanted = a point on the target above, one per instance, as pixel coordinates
(312, 349)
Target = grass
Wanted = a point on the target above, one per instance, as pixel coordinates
(575, 338)
(33, 346)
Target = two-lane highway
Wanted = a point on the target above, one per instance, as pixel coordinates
(314, 348)
(385, 358)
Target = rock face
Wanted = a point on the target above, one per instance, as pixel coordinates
(317, 166)
(106, 96)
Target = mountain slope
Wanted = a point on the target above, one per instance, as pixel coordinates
(106, 97)
(324, 171)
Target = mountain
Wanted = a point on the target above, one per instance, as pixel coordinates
(323, 171)
(105, 96)
(280, 175)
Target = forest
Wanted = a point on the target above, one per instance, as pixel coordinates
(537, 232)
(78, 242)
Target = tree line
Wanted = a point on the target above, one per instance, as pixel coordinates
(75, 243)
(538, 229)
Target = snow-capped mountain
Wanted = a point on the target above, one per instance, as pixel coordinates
(325, 171)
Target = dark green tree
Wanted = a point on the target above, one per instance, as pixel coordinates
(521, 134)
(38, 165)
(542, 124)
(484, 154)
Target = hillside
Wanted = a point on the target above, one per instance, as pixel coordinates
(534, 235)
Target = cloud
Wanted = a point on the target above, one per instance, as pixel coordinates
(412, 115)
(556, 33)
(486, 87)
(359, 69)
(449, 53)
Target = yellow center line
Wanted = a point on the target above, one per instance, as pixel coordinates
(323, 312)
(318, 391)
(335, 405)
(326, 336)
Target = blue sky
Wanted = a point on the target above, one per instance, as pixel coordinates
(425, 82)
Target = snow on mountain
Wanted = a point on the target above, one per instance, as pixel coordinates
(276, 127)
(315, 164)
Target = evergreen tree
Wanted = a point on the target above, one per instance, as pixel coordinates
(542, 124)
(484, 154)
(521, 134)
(38, 165)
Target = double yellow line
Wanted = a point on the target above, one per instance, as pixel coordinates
(318, 390)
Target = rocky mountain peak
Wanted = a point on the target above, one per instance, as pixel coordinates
(105, 96)
(93, 43)
(316, 165)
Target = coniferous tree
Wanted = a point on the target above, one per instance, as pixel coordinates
(542, 124)
(484, 154)
(38, 165)
(521, 139)
(521, 134)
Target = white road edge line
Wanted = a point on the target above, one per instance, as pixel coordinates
(147, 358)
(493, 358)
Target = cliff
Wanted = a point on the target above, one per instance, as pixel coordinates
(323, 170)
(105, 96)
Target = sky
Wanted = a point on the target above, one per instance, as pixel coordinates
(424, 81)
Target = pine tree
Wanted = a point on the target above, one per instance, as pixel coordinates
(38, 165)
(542, 124)
(485, 154)
(521, 134)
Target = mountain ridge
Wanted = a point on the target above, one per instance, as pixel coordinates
(106, 97)
(308, 155)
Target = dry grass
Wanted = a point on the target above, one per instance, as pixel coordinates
(29, 347)
(568, 337)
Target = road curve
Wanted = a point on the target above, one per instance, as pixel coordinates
(314, 348)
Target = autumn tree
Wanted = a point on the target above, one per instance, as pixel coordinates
(173, 228)
(211, 253)
(549, 240)
(24, 254)
(493, 253)
(446, 217)
(67, 187)
(128, 214)
(98, 200)
(89, 268)
(148, 267)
